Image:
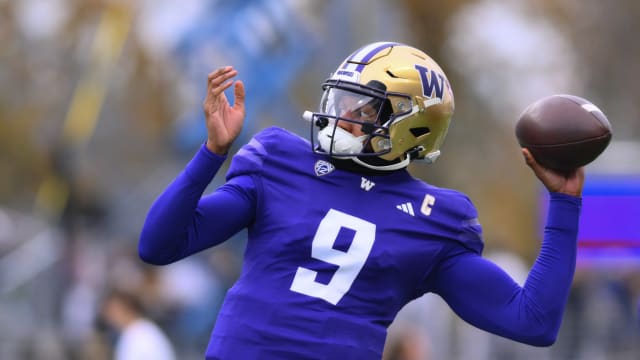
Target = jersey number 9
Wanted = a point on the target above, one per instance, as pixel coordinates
(349, 262)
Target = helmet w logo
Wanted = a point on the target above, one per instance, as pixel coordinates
(431, 82)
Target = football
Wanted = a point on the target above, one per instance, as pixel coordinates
(563, 132)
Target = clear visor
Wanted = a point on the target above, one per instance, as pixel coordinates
(349, 105)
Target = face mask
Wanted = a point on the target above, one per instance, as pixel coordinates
(337, 140)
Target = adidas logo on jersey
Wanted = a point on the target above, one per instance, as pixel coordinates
(406, 208)
(323, 167)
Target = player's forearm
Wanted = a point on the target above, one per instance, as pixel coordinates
(550, 279)
(165, 234)
(536, 312)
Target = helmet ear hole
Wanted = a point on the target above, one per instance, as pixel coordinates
(419, 131)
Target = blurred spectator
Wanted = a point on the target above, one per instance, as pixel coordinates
(190, 291)
(600, 322)
(425, 324)
(407, 341)
(138, 337)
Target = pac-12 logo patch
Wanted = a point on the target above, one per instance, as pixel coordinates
(323, 167)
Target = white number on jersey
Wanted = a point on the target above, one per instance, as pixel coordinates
(349, 263)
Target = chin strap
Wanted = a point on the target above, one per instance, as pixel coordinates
(391, 167)
(430, 158)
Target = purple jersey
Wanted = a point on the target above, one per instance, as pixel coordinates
(333, 255)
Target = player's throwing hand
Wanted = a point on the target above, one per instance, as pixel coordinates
(569, 183)
(223, 121)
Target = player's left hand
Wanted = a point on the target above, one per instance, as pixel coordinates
(224, 122)
(570, 183)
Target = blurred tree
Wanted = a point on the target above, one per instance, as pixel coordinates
(604, 38)
(429, 22)
(49, 150)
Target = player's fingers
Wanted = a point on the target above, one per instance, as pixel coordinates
(239, 95)
(215, 99)
(212, 77)
(216, 95)
(219, 89)
(577, 174)
(217, 72)
(528, 158)
(539, 170)
(220, 77)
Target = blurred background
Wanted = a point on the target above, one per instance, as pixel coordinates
(100, 108)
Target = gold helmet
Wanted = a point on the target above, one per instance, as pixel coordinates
(394, 98)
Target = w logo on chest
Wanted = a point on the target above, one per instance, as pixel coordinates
(366, 184)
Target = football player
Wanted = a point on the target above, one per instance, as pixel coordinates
(340, 235)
